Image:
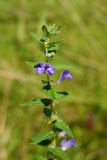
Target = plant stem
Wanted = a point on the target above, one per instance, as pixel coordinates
(51, 105)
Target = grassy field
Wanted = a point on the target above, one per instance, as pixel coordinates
(84, 47)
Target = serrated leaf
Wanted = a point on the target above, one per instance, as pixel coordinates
(62, 66)
(58, 152)
(63, 126)
(41, 137)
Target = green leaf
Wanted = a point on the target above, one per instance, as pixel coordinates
(45, 31)
(61, 95)
(58, 152)
(53, 30)
(52, 47)
(39, 158)
(37, 38)
(62, 66)
(53, 92)
(42, 101)
(32, 103)
(63, 126)
(41, 137)
(31, 64)
(50, 30)
(50, 90)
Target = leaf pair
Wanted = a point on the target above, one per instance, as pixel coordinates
(50, 30)
(51, 91)
(55, 151)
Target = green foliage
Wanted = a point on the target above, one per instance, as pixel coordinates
(32, 103)
(37, 38)
(42, 136)
(50, 30)
(42, 101)
(61, 95)
(63, 126)
(59, 153)
(53, 47)
(39, 158)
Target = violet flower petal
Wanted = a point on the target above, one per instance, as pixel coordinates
(65, 74)
(67, 144)
(39, 68)
(49, 69)
(64, 141)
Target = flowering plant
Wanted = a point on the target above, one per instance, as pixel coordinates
(60, 137)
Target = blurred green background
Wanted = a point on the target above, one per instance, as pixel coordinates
(84, 34)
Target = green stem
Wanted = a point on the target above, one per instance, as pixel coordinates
(46, 52)
(48, 81)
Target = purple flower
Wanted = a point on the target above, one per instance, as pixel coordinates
(40, 68)
(65, 74)
(62, 134)
(67, 144)
(49, 69)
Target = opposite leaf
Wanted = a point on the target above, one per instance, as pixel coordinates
(42, 101)
(58, 152)
(41, 137)
(32, 103)
(63, 126)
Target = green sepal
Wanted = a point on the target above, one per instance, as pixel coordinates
(63, 126)
(59, 153)
(42, 136)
